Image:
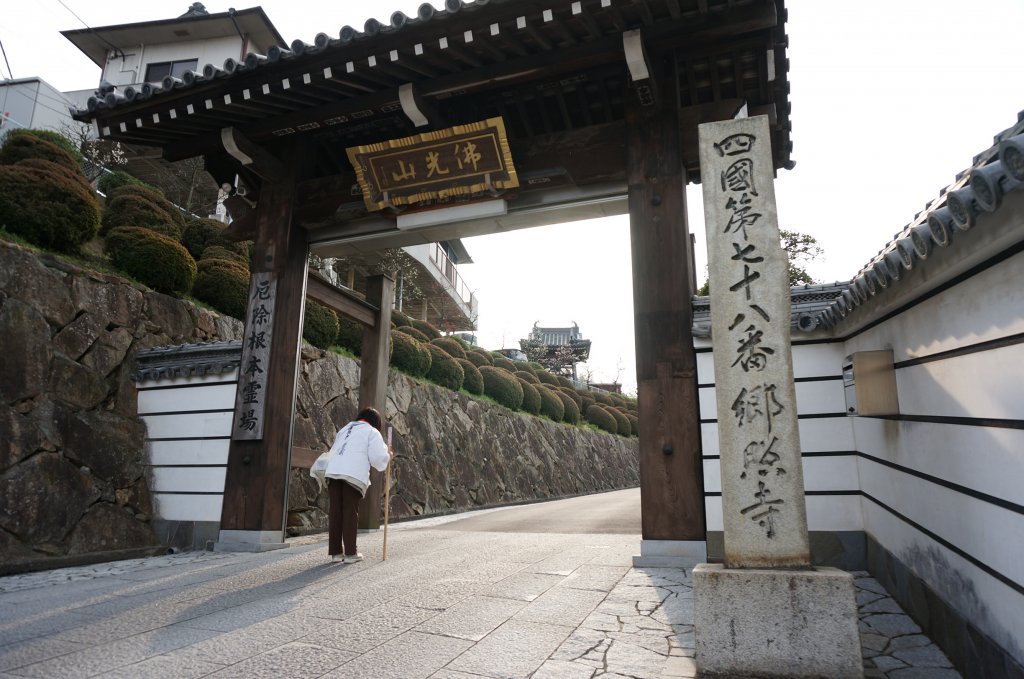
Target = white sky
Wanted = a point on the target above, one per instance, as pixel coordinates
(889, 101)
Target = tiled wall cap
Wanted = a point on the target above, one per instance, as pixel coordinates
(1011, 154)
(881, 272)
(963, 207)
(989, 184)
(894, 264)
(940, 223)
(921, 238)
(905, 248)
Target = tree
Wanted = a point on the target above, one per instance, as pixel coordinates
(802, 249)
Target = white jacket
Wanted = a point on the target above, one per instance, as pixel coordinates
(357, 446)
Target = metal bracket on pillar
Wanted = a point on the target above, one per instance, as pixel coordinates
(639, 69)
(414, 107)
(250, 155)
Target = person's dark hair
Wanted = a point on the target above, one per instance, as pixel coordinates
(371, 416)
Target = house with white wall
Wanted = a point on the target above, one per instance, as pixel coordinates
(910, 392)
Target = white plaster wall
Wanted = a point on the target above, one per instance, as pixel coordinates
(188, 424)
(132, 69)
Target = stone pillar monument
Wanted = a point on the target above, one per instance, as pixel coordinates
(766, 612)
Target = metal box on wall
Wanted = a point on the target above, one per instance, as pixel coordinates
(869, 383)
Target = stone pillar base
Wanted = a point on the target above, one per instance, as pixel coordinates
(249, 541)
(776, 623)
(670, 554)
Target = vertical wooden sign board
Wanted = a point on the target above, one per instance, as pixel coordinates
(762, 479)
(251, 394)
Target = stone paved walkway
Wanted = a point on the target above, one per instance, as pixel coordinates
(446, 604)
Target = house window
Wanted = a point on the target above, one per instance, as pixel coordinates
(158, 71)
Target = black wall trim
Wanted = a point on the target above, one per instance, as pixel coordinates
(186, 492)
(822, 378)
(804, 416)
(813, 453)
(186, 386)
(1015, 586)
(797, 343)
(987, 345)
(946, 419)
(963, 490)
(186, 466)
(188, 412)
(192, 438)
(952, 282)
(715, 493)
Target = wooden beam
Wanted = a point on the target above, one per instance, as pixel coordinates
(330, 296)
(250, 155)
(671, 475)
(373, 382)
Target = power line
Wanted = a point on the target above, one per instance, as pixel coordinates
(117, 50)
(9, 71)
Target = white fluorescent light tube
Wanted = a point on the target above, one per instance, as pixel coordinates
(449, 215)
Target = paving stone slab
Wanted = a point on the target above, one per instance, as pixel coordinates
(525, 586)
(296, 660)
(600, 578)
(678, 666)
(369, 629)
(561, 606)
(515, 649)
(412, 655)
(34, 650)
(472, 619)
(162, 666)
(923, 656)
(561, 669)
(891, 625)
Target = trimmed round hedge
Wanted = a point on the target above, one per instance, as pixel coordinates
(350, 335)
(413, 332)
(586, 398)
(472, 380)
(409, 354)
(602, 419)
(572, 411)
(500, 361)
(531, 397)
(112, 181)
(523, 366)
(158, 261)
(224, 285)
(527, 376)
(634, 424)
(230, 254)
(320, 325)
(502, 386)
(25, 144)
(621, 422)
(547, 378)
(200, 234)
(571, 393)
(477, 359)
(400, 319)
(48, 204)
(426, 328)
(138, 206)
(564, 382)
(550, 405)
(603, 398)
(444, 370)
(452, 346)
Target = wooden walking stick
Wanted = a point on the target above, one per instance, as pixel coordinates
(387, 497)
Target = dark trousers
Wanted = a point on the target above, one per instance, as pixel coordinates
(342, 517)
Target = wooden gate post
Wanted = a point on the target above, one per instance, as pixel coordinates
(256, 486)
(373, 381)
(671, 478)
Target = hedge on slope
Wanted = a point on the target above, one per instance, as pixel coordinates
(426, 328)
(602, 419)
(224, 285)
(138, 206)
(413, 332)
(444, 369)
(350, 334)
(48, 204)
(572, 411)
(531, 397)
(503, 363)
(550, 405)
(472, 380)
(528, 376)
(452, 346)
(200, 234)
(634, 424)
(158, 261)
(621, 421)
(24, 145)
(502, 386)
(479, 356)
(320, 325)
(409, 354)
(111, 181)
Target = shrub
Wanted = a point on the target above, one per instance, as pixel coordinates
(111, 181)
(472, 380)
(223, 285)
(550, 405)
(200, 234)
(58, 139)
(618, 399)
(320, 325)
(571, 410)
(409, 330)
(158, 261)
(601, 418)
(399, 319)
(621, 421)
(536, 366)
(426, 328)
(477, 359)
(564, 381)
(409, 355)
(45, 204)
(634, 424)
(531, 397)
(483, 357)
(503, 363)
(221, 252)
(571, 393)
(526, 376)
(451, 346)
(586, 399)
(523, 366)
(602, 398)
(138, 206)
(547, 378)
(350, 335)
(444, 369)
(24, 144)
(502, 387)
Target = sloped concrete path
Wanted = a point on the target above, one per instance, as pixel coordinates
(447, 604)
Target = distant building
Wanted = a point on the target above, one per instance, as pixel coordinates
(557, 349)
(612, 387)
